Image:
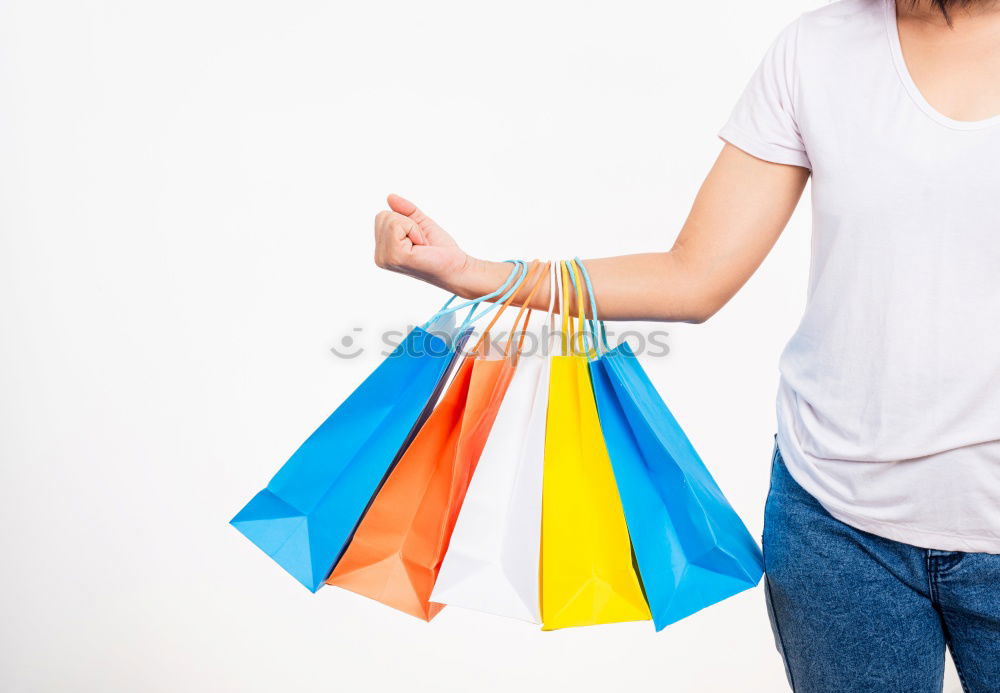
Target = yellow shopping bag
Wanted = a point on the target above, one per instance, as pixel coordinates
(587, 574)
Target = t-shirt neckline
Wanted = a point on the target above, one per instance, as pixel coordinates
(892, 33)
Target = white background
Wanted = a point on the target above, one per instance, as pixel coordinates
(186, 201)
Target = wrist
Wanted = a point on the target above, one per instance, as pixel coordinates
(478, 277)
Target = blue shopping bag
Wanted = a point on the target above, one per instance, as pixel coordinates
(306, 515)
(691, 547)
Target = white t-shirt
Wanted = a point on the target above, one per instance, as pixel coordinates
(889, 402)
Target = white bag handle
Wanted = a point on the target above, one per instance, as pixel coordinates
(555, 287)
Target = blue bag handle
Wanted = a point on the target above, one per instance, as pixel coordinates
(596, 325)
(520, 267)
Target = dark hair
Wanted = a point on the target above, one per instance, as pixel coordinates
(945, 5)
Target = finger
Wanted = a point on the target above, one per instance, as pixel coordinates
(407, 208)
(403, 227)
(400, 204)
(380, 221)
(392, 251)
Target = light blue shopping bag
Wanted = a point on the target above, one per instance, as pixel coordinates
(306, 515)
(691, 547)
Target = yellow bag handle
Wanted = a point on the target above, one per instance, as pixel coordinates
(564, 308)
(581, 311)
(572, 325)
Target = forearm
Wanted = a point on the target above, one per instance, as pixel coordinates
(647, 286)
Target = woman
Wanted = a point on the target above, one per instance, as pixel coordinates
(882, 527)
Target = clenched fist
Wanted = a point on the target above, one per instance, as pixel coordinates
(409, 242)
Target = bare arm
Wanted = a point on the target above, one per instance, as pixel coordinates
(741, 209)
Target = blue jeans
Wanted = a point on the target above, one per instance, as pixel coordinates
(853, 612)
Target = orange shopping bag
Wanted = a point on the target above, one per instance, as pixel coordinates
(397, 550)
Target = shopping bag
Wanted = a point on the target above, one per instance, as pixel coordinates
(395, 555)
(691, 547)
(587, 573)
(306, 514)
(493, 556)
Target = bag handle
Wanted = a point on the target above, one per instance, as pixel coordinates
(581, 313)
(572, 325)
(525, 310)
(554, 288)
(508, 299)
(518, 268)
(564, 308)
(596, 324)
(522, 273)
(576, 292)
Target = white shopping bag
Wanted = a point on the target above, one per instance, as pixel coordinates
(492, 559)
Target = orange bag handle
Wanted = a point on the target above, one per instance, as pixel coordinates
(524, 307)
(503, 307)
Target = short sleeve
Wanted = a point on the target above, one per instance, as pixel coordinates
(763, 123)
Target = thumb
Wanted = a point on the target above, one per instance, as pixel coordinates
(403, 206)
